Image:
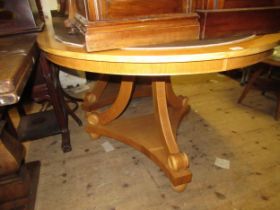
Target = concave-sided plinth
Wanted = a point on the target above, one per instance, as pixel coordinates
(153, 134)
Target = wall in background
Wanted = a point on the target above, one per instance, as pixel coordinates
(52, 4)
(70, 78)
(47, 6)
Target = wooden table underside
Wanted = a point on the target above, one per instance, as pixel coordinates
(152, 134)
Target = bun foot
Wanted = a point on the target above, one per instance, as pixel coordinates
(178, 161)
(94, 136)
(179, 188)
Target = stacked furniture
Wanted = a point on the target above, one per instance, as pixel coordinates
(117, 24)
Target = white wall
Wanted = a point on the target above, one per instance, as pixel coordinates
(52, 4)
(65, 78)
(48, 5)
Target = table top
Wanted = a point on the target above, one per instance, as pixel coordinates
(17, 56)
(165, 60)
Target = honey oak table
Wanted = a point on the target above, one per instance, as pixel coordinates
(153, 134)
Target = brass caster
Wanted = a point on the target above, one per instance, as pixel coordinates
(94, 136)
(93, 118)
(179, 188)
(178, 161)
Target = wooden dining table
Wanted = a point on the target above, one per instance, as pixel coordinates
(146, 71)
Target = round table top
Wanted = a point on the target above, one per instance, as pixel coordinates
(152, 61)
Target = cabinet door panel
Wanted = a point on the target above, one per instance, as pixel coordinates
(114, 9)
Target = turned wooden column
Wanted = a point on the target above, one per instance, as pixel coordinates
(18, 180)
(152, 134)
(15, 181)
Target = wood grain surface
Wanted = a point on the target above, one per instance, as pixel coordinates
(166, 61)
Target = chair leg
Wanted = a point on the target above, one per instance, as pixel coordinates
(277, 112)
(71, 112)
(249, 85)
(50, 73)
(73, 100)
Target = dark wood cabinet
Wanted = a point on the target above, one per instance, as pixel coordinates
(122, 23)
(238, 22)
(20, 16)
(116, 9)
(230, 4)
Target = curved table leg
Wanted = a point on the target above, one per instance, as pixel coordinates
(172, 99)
(163, 93)
(95, 93)
(117, 107)
(104, 92)
(152, 134)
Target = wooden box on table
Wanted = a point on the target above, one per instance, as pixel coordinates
(122, 23)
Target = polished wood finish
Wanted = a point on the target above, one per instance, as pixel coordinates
(133, 8)
(25, 17)
(223, 18)
(148, 31)
(18, 63)
(229, 4)
(250, 3)
(206, 4)
(154, 134)
(14, 75)
(157, 138)
(18, 181)
(50, 73)
(119, 9)
(116, 24)
(12, 158)
(108, 87)
(230, 22)
(48, 123)
(168, 60)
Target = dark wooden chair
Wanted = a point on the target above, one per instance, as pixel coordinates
(47, 122)
(265, 84)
